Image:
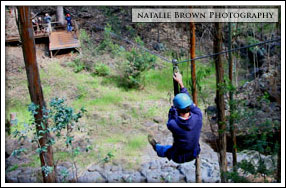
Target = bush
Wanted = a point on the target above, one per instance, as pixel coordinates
(101, 69)
(60, 117)
(87, 44)
(107, 45)
(81, 63)
(78, 65)
(137, 62)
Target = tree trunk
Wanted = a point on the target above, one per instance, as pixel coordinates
(34, 85)
(193, 65)
(60, 15)
(231, 120)
(194, 88)
(220, 100)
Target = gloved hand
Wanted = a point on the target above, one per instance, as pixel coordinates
(172, 113)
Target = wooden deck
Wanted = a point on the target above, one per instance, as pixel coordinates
(63, 40)
(17, 38)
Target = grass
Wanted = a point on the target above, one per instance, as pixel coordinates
(103, 95)
(160, 80)
(12, 168)
(22, 113)
(108, 99)
(34, 161)
(151, 112)
(135, 144)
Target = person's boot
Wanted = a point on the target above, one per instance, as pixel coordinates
(152, 141)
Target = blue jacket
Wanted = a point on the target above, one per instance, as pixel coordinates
(186, 134)
(68, 19)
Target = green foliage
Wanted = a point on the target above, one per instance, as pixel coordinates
(252, 40)
(107, 44)
(60, 116)
(201, 74)
(81, 63)
(138, 61)
(85, 38)
(108, 157)
(12, 168)
(87, 44)
(81, 92)
(111, 15)
(234, 177)
(263, 139)
(76, 151)
(246, 166)
(264, 98)
(17, 152)
(88, 148)
(136, 143)
(160, 79)
(47, 170)
(131, 31)
(101, 69)
(64, 174)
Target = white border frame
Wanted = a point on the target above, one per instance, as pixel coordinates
(143, 3)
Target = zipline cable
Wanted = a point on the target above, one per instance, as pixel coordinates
(231, 50)
(187, 60)
(139, 46)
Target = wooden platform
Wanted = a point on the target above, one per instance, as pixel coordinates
(63, 40)
(17, 38)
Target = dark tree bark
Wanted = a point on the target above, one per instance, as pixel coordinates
(220, 100)
(193, 65)
(194, 88)
(34, 85)
(231, 120)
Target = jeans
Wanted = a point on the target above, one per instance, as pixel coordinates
(162, 149)
(69, 28)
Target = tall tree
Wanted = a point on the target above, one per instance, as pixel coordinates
(60, 15)
(220, 100)
(194, 88)
(193, 65)
(35, 89)
(231, 120)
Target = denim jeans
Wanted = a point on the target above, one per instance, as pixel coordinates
(69, 28)
(162, 149)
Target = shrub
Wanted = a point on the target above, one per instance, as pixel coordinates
(106, 44)
(101, 69)
(78, 65)
(81, 63)
(60, 118)
(137, 62)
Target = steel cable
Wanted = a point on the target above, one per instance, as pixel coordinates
(188, 60)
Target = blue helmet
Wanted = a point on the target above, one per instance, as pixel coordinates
(182, 100)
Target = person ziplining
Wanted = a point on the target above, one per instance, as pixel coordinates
(185, 123)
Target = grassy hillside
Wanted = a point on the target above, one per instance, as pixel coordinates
(115, 117)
